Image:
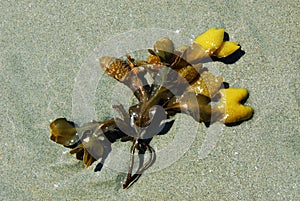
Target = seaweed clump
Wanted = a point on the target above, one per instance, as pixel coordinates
(180, 84)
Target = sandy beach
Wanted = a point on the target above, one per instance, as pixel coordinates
(48, 69)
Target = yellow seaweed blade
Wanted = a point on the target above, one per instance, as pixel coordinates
(230, 105)
(211, 40)
(226, 49)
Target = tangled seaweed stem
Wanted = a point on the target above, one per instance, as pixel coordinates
(130, 179)
(132, 151)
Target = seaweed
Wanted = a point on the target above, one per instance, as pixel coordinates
(180, 84)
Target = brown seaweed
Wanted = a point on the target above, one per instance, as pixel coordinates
(180, 85)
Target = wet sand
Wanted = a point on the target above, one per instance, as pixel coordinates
(45, 44)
